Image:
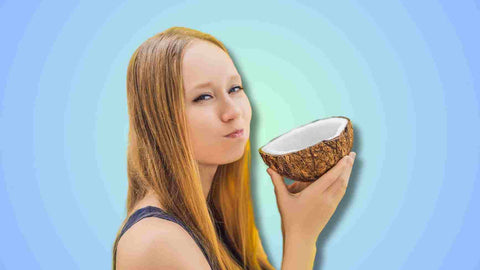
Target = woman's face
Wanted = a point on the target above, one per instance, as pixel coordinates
(216, 104)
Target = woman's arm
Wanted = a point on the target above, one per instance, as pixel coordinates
(156, 244)
(304, 214)
(298, 253)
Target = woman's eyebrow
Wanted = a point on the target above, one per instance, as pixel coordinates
(205, 84)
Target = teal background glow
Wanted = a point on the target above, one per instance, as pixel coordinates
(406, 73)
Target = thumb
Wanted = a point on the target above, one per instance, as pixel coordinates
(278, 183)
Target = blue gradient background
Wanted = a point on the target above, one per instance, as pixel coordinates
(406, 73)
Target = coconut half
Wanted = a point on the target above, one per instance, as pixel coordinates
(307, 152)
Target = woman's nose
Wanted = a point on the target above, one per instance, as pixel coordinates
(231, 109)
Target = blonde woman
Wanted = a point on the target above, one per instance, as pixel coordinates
(188, 202)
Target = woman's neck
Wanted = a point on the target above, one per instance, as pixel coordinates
(149, 199)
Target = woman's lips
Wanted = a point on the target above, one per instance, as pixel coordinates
(236, 134)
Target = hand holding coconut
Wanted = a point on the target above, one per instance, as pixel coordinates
(305, 214)
(316, 156)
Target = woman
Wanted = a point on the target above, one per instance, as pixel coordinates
(188, 200)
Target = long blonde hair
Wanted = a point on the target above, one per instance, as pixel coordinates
(160, 158)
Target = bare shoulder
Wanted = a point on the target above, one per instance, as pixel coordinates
(153, 243)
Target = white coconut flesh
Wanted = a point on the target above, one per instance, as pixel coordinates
(306, 136)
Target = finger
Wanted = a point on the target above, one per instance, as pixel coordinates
(322, 183)
(278, 183)
(341, 184)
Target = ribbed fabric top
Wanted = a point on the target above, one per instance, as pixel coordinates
(153, 211)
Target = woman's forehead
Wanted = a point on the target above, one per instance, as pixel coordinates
(204, 63)
(205, 56)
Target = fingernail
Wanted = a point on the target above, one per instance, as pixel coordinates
(354, 154)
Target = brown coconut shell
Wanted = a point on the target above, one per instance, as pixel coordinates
(308, 164)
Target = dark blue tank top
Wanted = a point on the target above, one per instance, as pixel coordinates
(153, 211)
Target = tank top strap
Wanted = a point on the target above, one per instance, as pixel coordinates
(153, 211)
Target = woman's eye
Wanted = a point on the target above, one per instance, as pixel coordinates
(200, 97)
(239, 88)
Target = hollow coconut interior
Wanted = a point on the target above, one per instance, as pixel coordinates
(305, 136)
